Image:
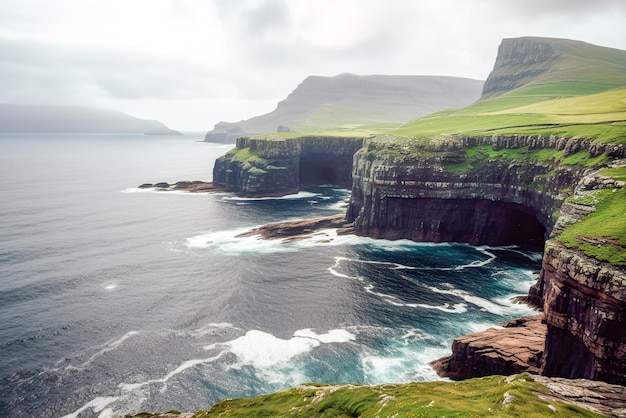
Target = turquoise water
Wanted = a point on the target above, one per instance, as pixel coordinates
(116, 300)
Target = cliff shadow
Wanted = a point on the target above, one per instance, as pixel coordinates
(475, 221)
(314, 172)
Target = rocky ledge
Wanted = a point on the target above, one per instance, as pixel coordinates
(300, 229)
(196, 186)
(516, 348)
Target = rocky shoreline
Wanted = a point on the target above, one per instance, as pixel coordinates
(195, 186)
(300, 229)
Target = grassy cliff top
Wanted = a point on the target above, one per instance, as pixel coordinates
(495, 396)
(600, 116)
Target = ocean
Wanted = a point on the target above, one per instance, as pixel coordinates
(117, 300)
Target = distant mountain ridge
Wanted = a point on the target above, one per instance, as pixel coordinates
(74, 119)
(325, 102)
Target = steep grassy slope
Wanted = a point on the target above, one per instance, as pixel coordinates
(350, 102)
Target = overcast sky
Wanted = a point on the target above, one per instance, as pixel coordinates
(192, 63)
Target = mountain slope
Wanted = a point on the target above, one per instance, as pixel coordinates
(74, 119)
(348, 99)
(543, 86)
(523, 62)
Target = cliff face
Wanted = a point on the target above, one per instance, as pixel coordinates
(519, 61)
(584, 302)
(448, 191)
(585, 310)
(453, 191)
(279, 166)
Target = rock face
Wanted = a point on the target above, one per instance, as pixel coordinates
(585, 306)
(518, 61)
(438, 194)
(453, 190)
(280, 166)
(516, 348)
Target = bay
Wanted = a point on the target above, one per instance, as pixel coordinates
(116, 300)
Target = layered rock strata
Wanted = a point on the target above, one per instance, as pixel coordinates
(516, 348)
(505, 189)
(280, 166)
(442, 192)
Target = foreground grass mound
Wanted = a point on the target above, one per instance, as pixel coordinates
(495, 396)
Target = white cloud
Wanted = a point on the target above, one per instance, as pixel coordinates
(233, 58)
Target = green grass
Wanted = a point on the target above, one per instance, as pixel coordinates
(618, 173)
(244, 154)
(600, 117)
(602, 235)
(470, 398)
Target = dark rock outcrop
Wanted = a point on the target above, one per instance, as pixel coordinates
(196, 186)
(516, 348)
(280, 166)
(299, 229)
(585, 306)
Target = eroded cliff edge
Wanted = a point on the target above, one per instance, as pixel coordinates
(496, 190)
(275, 166)
(508, 189)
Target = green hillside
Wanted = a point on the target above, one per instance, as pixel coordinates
(356, 104)
(571, 88)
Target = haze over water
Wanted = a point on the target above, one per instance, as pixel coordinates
(115, 300)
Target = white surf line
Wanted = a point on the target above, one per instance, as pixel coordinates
(100, 403)
(126, 387)
(482, 303)
(395, 301)
(397, 266)
(110, 345)
(295, 196)
(97, 405)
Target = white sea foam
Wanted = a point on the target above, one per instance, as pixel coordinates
(230, 243)
(102, 349)
(482, 303)
(181, 368)
(96, 405)
(263, 350)
(519, 280)
(338, 206)
(138, 190)
(296, 196)
(408, 364)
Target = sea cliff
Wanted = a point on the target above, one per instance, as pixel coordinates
(526, 164)
(496, 190)
(274, 166)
